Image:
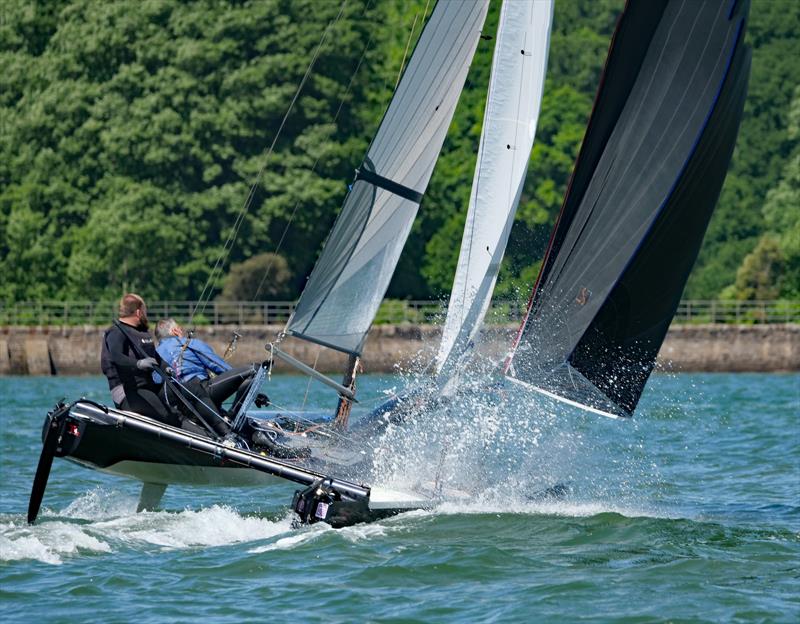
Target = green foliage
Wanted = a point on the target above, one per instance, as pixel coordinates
(133, 132)
(264, 276)
(763, 148)
(758, 276)
(772, 268)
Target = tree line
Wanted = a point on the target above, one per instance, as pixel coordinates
(134, 131)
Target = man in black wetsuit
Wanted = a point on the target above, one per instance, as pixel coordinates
(132, 367)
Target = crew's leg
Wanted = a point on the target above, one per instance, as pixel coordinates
(200, 403)
(146, 402)
(240, 394)
(199, 398)
(222, 387)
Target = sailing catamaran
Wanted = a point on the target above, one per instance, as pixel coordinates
(335, 310)
(648, 175)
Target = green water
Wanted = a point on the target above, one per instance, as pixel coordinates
(689, 513)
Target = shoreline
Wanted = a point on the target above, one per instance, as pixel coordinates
(75, 350)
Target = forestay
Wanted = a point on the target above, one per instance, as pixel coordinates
(645, 184)
(509, 126)
(353, 272)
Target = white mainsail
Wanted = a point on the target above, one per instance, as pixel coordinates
(512, 112)
(353, 272)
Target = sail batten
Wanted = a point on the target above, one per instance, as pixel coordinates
(509, 125)
(645, 184)
(352, 274)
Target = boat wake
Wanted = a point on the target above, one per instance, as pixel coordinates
(102, 521)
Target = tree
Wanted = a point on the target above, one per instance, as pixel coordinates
(133, 138)
(264, 276)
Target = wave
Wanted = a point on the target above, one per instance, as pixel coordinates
(102, 522)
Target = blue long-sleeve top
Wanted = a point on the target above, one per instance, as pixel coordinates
(198, 358)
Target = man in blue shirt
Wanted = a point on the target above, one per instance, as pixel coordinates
(209, 378)
(189, 358)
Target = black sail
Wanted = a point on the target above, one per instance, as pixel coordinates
(646, 181)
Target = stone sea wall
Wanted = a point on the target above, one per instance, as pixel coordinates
(724, 348)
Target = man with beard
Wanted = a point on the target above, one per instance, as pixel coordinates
(134, 385)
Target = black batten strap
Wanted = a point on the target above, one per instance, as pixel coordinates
(390, 185)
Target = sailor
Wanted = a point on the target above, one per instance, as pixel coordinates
(201, 371)
(128, 358)
(110, 371)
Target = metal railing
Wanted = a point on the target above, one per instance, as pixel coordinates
(392, 311)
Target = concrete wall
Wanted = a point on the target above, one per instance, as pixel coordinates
(76, 350)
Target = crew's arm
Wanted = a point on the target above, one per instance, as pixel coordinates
(210, 359)
(116, 343)
(166, 354)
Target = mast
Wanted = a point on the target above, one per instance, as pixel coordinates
(346, 403)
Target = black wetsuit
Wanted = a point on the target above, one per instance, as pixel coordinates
(207, 395)
(141, 391)
(107, 366)
(110, 371)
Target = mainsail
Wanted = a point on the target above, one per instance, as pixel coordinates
(509, 125)
(353, 272)
(646, 181)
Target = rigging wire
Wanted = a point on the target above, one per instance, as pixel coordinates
(205, 295)
(405, 53)
(408, 43)
(308, 385)
(292, 215)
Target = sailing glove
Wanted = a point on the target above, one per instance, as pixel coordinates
(146, 363)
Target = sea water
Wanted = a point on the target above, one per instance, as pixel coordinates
(689, 512)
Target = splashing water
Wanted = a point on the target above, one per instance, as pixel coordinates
(507, 444)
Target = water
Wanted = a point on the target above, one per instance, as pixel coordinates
(689, 513)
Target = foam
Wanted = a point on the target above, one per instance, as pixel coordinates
(289, 542)
(48, 542)
(93, 524)
(213, 526)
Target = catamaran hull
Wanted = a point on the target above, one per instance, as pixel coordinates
(105, 443)
(134, 446)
